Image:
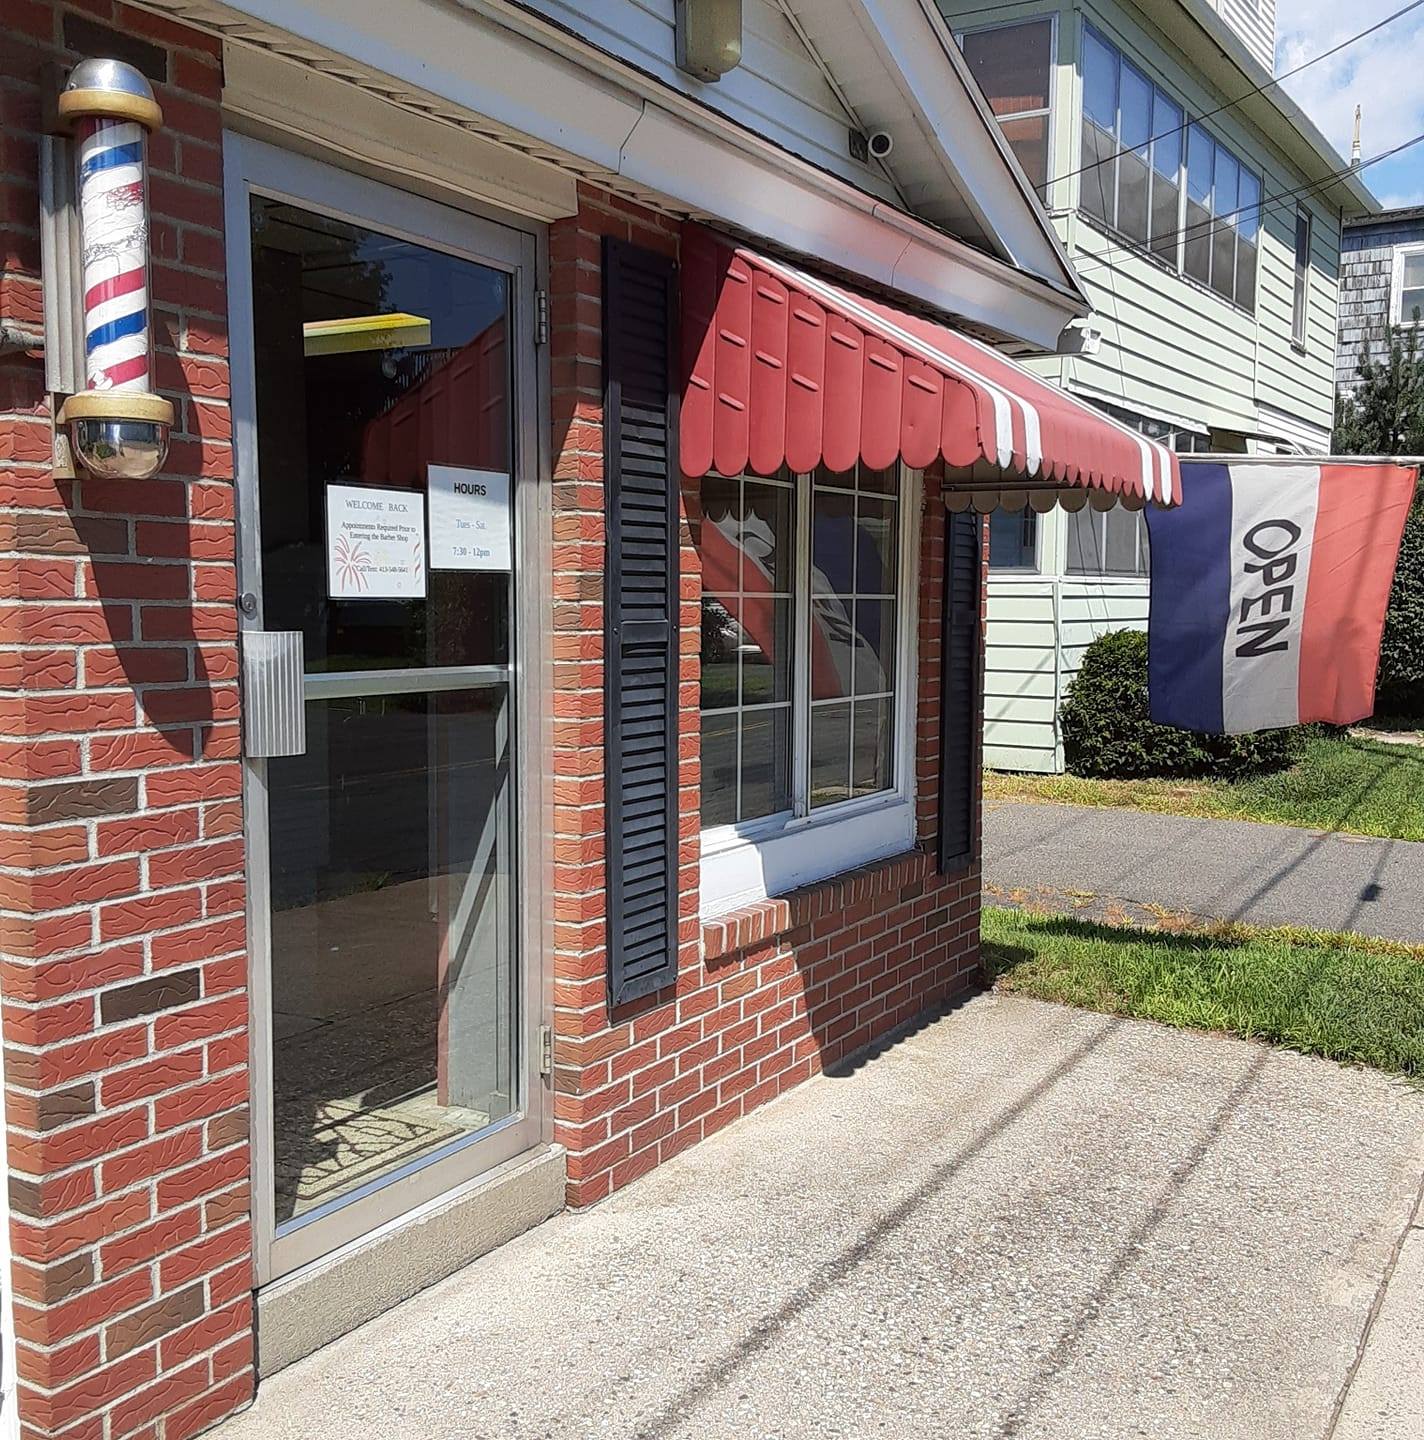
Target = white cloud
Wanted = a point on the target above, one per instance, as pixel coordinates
(1384, 74)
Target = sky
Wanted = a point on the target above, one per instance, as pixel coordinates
(1384, 74)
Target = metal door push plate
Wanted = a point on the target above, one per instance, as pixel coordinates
(274, 708)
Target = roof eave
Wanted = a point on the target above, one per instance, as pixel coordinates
(1302, 140)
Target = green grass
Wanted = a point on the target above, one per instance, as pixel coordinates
(1341, 996)
(1364, 787)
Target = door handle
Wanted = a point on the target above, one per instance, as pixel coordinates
(273, 706)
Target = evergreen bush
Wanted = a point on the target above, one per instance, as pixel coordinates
(1108, 732)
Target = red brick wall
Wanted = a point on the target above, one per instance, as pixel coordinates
(767, 998)
(124, 964)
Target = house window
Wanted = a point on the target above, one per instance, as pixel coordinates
(1301, 294)
(1110, 542)
(1013, 539)
(1407, 301)
(806, 677)
(1166, 186)
(1013, 65)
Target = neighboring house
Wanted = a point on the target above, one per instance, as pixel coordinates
(1214, 301)
(1381, 284)
(533, 717)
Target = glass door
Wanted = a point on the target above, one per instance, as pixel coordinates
(380, 525)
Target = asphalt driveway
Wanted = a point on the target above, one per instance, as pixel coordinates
(1018, 1221)
(1221, 869)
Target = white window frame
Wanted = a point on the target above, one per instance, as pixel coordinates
(1300, 276)
(1396, 286)
(1177, 264)
(774, 854)
(1050, 180)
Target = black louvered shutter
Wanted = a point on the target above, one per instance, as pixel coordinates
(641, 618)
(959, 691)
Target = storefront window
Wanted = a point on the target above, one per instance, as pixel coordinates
(748, 548)
(800, 634)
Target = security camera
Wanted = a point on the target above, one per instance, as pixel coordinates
(880, 143)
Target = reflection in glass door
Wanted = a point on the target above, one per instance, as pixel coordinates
(383, 393)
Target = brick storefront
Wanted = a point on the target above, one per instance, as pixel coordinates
(123, 864)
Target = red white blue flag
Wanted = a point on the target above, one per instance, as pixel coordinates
(1269, 588)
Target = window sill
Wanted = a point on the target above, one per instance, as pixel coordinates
(742, 870)
(764, 920)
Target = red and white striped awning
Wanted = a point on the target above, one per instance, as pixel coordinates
(783, 367)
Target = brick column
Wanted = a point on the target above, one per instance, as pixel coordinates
(121, 856)
(602, 1115)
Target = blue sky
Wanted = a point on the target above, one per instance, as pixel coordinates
(1384, 74)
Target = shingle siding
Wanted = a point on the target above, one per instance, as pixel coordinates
(1366, 278)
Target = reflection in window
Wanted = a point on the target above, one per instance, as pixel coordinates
(1013, 66)
(832, 598)
(855, 527)
(747, 579)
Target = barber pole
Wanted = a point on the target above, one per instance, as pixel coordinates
(1269, 590)
(118, 427)
(113, 208)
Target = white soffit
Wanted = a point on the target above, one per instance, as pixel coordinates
(520, 83)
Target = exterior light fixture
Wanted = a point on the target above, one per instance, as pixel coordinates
(709, 37)
(118, 427)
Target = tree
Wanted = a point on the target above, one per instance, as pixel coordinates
(1383, 414)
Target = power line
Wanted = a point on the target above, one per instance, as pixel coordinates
(1240, 99)
(1225, 221)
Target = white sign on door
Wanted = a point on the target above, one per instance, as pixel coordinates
(375, 543)
(469, 519)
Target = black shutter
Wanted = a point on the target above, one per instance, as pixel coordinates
(640, 618)
(959, 691)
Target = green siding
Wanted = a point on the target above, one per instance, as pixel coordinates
(1171, 347)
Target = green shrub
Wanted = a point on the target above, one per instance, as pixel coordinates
(1108, 733)
(1401, 672)
(1382, 413)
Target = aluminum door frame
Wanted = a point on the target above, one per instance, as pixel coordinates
(518, 247)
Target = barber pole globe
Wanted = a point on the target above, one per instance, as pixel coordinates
(119, 427)
(113, 218)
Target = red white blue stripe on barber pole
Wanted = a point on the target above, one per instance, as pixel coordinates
(1269, 588)
(111, 201)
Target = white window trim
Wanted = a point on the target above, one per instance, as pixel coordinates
(1051, 179)
(1300, 284)
(771, 856)
(1396, 286)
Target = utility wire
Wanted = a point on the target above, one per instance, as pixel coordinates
(1225, 221)
(1246, 95)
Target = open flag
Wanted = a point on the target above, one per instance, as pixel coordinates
(1269, 588)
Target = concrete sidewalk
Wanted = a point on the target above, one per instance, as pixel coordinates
(1019, 1221)
(1221, 869)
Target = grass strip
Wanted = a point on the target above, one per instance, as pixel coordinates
(1341, 996)
(1359, 786)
